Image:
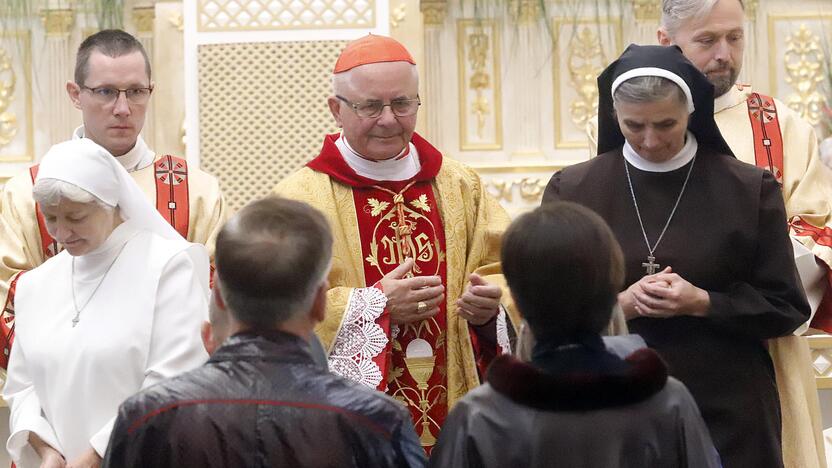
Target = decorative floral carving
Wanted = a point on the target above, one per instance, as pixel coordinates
(585, 62)
(8, 80)
(58, 22)
(530, 188)
(398, 15)
(434, 11)
(647, 10)
(478, 45)
(803, 62)
(143, 19)
(525, 11)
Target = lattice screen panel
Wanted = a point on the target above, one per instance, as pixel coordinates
(262, 111)
(265, 15)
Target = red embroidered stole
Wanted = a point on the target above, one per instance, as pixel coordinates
(768, 154)
(172, 192)
(768, 140)
(398, 220)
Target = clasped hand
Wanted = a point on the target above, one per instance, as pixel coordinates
(405, 294)
(478, 304)
(664, 294)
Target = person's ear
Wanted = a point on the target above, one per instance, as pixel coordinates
(74, 93)
(318, 312)
(663, 37)
(208, 339)
(335, 109)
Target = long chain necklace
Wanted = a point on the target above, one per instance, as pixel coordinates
(78, 310)
(650, 266)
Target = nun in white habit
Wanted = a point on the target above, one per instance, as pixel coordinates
(118, 310)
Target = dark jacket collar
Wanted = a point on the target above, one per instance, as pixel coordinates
(330, 162)
(264, 345)
(643, 375)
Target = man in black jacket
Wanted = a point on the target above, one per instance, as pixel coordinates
(261, 400)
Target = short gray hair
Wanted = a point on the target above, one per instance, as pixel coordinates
(271, 258)
(341, 81)
(646, 89)
(50, 192)
(675, 13)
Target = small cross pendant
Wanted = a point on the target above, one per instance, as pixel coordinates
(75, 320)
(651, 267)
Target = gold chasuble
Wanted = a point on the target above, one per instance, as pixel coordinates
(444, 220)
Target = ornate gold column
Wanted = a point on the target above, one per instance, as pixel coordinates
(434, 13)
(524, 65)
(143, 17)
(168, 108)
(648, 15)
(59, 65)
(751, 60)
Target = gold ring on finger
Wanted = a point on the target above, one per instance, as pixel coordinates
(421, 307)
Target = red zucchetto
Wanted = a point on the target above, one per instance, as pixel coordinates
(371, 49)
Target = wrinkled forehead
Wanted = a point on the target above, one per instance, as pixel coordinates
(722, 19)
(386, 80)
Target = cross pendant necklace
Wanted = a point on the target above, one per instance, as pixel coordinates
(650, 266)
(78, 310)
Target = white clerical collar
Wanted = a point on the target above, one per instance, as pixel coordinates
(92, 263)
(735, 95)
(683, 157)
(393, 169)
(139, 157)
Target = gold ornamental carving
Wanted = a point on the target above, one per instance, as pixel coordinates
(647, 10)
(751, 8)
(525, 11)
(434, 11)
(480, 107)
(143, 19)
(58, 22)
(8, 120)
(530, 188)
(803, 60)
(585, 62)
(176, 20)
(478, 45)
(398, 15)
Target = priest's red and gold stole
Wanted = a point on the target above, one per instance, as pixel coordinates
(768, 141)
(171, 175)
(396, 221)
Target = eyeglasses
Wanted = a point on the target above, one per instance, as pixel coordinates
(373, 109)
(109, 94)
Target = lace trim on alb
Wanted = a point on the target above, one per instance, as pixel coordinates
(360, 338)
(502, 332)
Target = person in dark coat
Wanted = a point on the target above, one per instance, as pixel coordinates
(262, 400)
(710, 272)
(577, 403)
